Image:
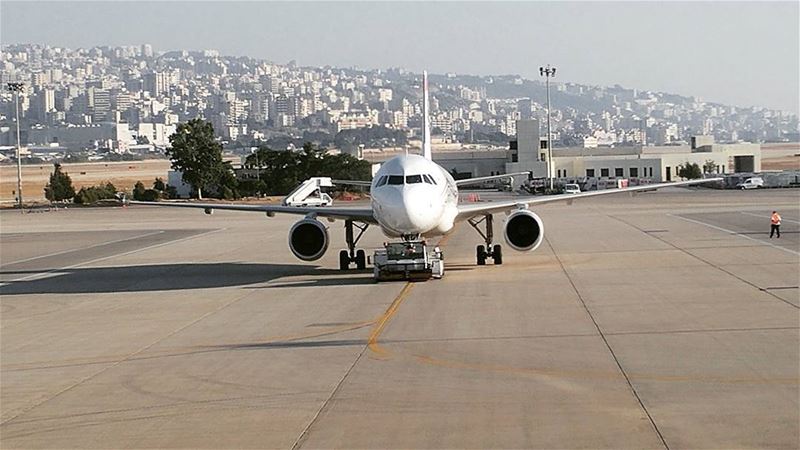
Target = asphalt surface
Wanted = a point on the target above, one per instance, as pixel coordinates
(664, 320)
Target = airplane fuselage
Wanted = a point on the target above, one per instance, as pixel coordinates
(412, 195)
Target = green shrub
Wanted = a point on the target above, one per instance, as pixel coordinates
(151, 195)
(92, 194)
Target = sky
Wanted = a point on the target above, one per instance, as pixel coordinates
(737, 53)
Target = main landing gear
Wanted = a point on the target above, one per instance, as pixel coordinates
(351, 255)
(486, 251)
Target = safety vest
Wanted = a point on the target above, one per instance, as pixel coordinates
(775, 219)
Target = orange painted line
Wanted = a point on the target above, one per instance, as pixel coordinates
(372, 343)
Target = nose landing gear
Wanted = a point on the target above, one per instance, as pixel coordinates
(482, 252)
(351, 255)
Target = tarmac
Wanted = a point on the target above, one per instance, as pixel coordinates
(662, 320)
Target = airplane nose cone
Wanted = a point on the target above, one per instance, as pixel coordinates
(408, 211)
(420, 213)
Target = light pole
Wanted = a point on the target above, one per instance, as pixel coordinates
(548, 72)
(16, 88)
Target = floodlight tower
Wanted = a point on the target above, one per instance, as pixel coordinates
(548, 72)
(16, 88)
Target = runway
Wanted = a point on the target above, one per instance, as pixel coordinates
(663, 320)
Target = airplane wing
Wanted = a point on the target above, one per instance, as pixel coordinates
(357, 214)
(469, 210)
(478, 180)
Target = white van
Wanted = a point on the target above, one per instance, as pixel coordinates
(751, 183)
(572, 189)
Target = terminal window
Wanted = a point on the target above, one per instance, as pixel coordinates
(634, 172)
(603, 172)
(618, 172)
(590, 173)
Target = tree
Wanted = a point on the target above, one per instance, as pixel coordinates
(159, 184)
(690, 171)
(196, 154)
(226, 184)
(709, 166)
(138, 191)
(281, 171)
(60, 186)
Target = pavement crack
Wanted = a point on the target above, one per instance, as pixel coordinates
(372, 344)
(304, 434)
(716, 266)
(712, 330)
(608, 346)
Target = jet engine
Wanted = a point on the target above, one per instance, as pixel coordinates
(523, 230)
(308, 239)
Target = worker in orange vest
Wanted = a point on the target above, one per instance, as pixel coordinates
(775, 220)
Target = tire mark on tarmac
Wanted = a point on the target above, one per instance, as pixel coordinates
(132, 357)
(95, 418)
(275, 341)
(122, 360)
(27, 409)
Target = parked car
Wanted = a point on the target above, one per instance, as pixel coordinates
(572, 189)
(751, 183)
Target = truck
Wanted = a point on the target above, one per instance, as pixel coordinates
(407, 261)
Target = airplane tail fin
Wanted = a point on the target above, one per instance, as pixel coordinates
(426, 120)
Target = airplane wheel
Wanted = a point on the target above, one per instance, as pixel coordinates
(480, 254)
(361, 259)
(344, 260)
(497, 254)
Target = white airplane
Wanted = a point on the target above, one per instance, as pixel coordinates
(413, 197)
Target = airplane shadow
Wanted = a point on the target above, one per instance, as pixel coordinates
(459, 267)
(162, 277)
(322, 282)
(291, 344)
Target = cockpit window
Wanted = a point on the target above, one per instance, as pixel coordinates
(395, 179)
(382, 180)
(413, 179)
(433, 180)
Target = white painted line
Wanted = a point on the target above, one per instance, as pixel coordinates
(767, 217)
(737, 234)
(40, 274)
(82, 248)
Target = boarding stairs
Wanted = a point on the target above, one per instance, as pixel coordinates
(309, 193)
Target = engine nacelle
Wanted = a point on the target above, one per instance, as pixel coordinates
(523, 231)
(308, 239)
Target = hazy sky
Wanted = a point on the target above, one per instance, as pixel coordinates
(744, 53)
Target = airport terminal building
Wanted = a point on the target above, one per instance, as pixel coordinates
(654, 163)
